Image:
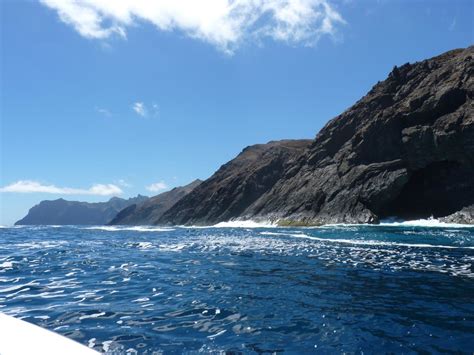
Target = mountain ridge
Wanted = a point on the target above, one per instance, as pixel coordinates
(64, 212)
(149, 211)
(404, 149)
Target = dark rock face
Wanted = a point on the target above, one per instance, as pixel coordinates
(236, 185)
(62, 212)
(405, 149)
(148, 212)
(465, 216)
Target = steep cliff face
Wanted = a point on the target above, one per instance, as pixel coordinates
(148, 212)
(236, 185)
(62, 212)
(405, 149)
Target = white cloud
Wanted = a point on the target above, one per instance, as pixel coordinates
(140, 109)
(222, 23)
(28, 186)
(156, 110)
(123, 183)
(104, 112)
(452, 26)
(157, 186)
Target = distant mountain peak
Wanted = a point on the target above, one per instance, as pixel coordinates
(64, 212)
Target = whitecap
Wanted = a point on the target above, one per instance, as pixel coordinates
(236, 223)
(94, 315)
(6, 264)
(145, 245)
(172, 247)
(106, 345)
(244, 224)
(42, 317)
(430, 223)
(142, 299)
(217, 334)
(130, 228)
(91, 342)
(366, 242)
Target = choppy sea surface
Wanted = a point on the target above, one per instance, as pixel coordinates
(397, 288)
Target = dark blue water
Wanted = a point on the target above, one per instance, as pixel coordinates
(346, 289)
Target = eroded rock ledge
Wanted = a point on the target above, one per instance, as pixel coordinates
(465, 216)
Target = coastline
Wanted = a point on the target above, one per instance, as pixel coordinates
(259, 223)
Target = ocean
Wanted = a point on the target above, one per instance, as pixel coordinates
(392, 288)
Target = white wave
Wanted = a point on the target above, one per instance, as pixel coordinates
(217, 334)
(273, 233)
(130, 228)
(430, 222)
(145, 245)
(141, 299)
(6, 264)
(244, 224)
(42, 244)
(365, 242)
(234, 224)
(95, 315)
(173, 247)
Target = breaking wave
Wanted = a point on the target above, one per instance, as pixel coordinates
(244, 224)
(366, 242)
(430, 222)
(130, 228)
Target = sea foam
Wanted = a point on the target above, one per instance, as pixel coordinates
(364, 242)
(130, 228)
(244, 224)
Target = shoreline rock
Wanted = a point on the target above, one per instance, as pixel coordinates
(464, 216)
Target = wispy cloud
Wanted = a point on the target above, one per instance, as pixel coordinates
(103, 111)
(140, 109)
(222, 23)
(157, 186)
(123, 183)
(155, 109)
(29, 186)
(452, 25)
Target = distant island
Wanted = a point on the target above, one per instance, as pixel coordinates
(406, 149)
(63, 212)
(139, 210)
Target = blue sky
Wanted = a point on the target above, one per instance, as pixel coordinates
(98, 100)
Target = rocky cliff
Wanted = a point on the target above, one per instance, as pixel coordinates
(406, 149)
(149, 211)
(236, 185)
(464, 216)
(62, 212)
